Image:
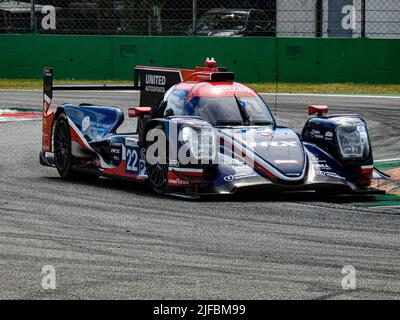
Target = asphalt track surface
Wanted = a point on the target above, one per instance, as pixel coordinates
(112, 240)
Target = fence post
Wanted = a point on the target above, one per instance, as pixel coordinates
(363, 9)
(33, 20)
(318, 18)
(194, 13)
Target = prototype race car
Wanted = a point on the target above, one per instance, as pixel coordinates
(201, 133)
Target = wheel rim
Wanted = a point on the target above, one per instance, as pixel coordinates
(158, 175)
(62, 146)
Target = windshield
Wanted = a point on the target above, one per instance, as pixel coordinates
(223, 21)
(233, 110)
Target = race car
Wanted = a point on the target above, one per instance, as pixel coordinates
(201, 133)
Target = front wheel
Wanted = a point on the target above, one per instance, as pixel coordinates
(158, 172)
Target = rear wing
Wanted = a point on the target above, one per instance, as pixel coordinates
(152, 82)
(49, 87)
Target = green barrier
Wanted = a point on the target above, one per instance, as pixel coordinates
(339, 60)
(253, 59)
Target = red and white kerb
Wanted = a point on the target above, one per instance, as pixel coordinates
(18, 115)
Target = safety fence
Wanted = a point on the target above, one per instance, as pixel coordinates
(268, 18)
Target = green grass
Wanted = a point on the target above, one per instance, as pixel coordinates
(386, 200)
(331, 88)
(328, 88)
(387, 165)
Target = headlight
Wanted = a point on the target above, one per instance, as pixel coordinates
(201, 142)
(353, 141)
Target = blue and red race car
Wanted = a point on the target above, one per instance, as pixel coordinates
(201, 133)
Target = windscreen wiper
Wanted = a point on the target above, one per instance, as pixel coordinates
(243, 112)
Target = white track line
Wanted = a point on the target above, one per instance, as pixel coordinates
(387, 160)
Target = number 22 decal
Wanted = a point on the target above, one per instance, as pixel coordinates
(131, 160)
(134, 165)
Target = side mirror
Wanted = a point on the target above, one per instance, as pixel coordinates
(317, 109)
(135, 112)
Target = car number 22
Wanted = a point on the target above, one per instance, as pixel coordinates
(134, 164)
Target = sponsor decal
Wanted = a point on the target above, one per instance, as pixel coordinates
(322, 166)
(85, 123)
(229, 178)
(116, 153)
(129, 142)
(241, 172)
(156, 80)
(329, 135)
(155, 89)
(100, 125)
(178, 181)
(319, 164)
(323, 169)
(174, 163)
(316, 134)
(274, 144)
(155, 83)
(330, 174)
(242, 169)
(233, 88)
(143, 153)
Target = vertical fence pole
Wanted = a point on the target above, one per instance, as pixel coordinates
(318, 18)
(363, 18)
(33, 22)
(194, 16)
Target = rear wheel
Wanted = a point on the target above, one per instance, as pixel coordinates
(62, 151)
(62, 148)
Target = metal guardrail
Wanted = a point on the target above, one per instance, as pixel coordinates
(281, 18)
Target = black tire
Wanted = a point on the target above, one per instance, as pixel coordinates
(62, 148)
(158, 173)
(62, 152)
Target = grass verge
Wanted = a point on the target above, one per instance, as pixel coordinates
(327, 88)
(387, 165)
(320, 88)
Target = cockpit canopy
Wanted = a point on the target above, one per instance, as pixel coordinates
(220, 104)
